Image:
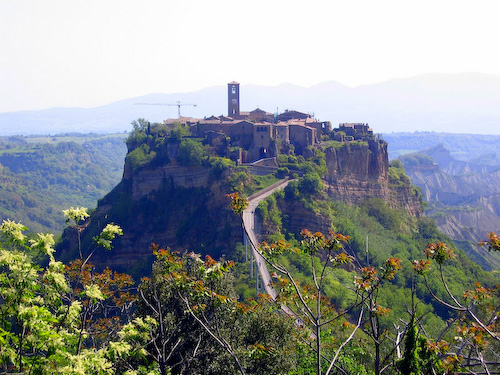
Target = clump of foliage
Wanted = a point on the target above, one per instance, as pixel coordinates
(47, 313)
(246, 184)
(314, 162)
(270, 215)
(397, 175)
(190, 153)
(202, 328)
(155, 144)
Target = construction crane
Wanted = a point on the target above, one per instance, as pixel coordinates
(177, 104)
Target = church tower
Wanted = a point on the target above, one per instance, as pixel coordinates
(233, 99)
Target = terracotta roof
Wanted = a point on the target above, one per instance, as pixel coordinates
(258, 110)
(233, 83)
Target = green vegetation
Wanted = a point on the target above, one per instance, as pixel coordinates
(41, 175)
(389, 234)
(335, 144)
(413, 160)
(397, 175)
(202, 328)
(188, 309)
(190, 153)
(241, 181)
(315, 162)
(357, 302)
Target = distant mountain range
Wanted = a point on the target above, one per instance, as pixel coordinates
(454, 103)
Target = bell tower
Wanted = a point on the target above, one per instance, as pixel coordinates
(233, 99)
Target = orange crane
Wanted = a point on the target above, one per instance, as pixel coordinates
(177, 104)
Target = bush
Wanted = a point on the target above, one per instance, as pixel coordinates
(219, 165)
(311, 184)
(139, 157)
(191, 153)
(397, 175)
(282, 172)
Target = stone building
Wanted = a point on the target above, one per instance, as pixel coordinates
(257, 132)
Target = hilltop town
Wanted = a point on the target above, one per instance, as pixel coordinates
(259, 134)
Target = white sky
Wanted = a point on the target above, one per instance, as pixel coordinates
(92, 52)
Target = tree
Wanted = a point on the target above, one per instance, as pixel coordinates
(197, 314)
(475, 313)
(43, 321)
(138, 134)
(310, 304)
(190, 153)
(311, 184)
(75, 217)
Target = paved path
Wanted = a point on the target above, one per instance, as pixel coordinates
(249, 226)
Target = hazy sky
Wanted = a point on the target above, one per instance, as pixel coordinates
(91, 52)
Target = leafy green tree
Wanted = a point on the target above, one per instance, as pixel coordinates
(178, 132)
(41, 318)
(202, 328)
(386, 216)
(311, 184)
(476, 312)
(190, 153)
(312, 307)
(138, 134)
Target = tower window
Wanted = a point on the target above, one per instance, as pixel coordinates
(233, 89)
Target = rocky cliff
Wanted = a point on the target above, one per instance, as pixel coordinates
(463, 197)
(184, 207)
(359, 170)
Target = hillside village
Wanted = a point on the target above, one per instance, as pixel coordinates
(257, 134)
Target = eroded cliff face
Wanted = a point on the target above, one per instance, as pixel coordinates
(184, 208)
(358, 171)
(465, 206)
(360, 161)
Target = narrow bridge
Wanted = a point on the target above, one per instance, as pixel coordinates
(250, 238)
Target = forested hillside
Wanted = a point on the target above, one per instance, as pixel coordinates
(366, 286)
(41, 176)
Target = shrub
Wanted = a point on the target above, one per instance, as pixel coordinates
(310, 184)
(190, 153)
